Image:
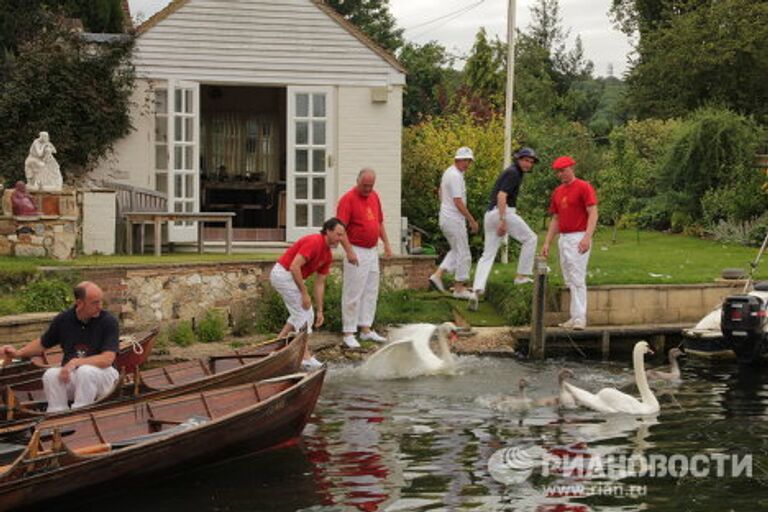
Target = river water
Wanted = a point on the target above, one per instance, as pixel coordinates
(425, 444)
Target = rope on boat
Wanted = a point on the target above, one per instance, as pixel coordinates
(136, 345)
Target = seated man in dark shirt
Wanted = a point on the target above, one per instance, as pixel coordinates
(89, 339)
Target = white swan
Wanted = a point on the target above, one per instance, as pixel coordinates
(610, 400)
(565, 399)
(673, 375)
(410, 354)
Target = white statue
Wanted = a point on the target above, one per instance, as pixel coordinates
(40, 167)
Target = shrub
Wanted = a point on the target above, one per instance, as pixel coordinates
(211, 327)
(182, 334)
(47, 295)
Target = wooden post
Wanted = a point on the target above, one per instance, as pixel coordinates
(538, 334)
(606, 348)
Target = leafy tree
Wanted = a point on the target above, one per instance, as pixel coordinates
(428, 81)
(485, 70)
(713, 54)
(374, 19)
(59, 83)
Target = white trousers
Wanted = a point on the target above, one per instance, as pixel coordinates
(282, 281)
(360, 290)
(574, 267)
(459, 259)
(86, 385)
(517, 229)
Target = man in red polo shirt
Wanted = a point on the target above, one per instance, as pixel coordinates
(309, 254)
(360, 210)
(574, 218)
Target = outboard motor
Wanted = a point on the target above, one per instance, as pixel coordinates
(742, 322)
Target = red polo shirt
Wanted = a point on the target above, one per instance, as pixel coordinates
(362, 216)
(570, 203)
(315, 251)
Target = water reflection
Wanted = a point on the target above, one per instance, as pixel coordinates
(424, 444)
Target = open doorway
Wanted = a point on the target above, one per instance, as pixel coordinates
(242, 159)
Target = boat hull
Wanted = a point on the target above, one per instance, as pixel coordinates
(273, 422)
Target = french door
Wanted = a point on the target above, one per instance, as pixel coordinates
(309, 176)
(177, 153)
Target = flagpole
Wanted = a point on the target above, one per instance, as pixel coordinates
(508, 107)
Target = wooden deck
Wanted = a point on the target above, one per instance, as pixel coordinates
(602, 339)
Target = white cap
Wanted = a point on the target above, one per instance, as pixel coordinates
(464, 153)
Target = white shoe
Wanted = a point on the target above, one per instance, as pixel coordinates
(437, 283)
(523, 280)
(372, 336)
(474, 302)
(568, 324)
(350, 341)
(579, 325)
(311, 364)
(463, 294)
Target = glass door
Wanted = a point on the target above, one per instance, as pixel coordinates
(183, 185)
(309, 174)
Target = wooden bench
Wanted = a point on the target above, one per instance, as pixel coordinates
(158, 218)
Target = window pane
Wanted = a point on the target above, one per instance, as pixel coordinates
(302, 132)
(188, 101)
(177, 187)
(177, 207)
(318, 215)
(301, 160)
(190, 192)
(318, 188)
(318, 105)
(161, 130)
(161, 101)
(189, 133)
(189, 207)
(302, 105)
(161, 157)
(301, 188)
(177, 102)
(177, 128)
(301, 215)
(189, 157)
(318, 161)
(318, 132)
(161, 182)
(178, 155)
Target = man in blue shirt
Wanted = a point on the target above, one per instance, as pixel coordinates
(501, 219)
(89, 339)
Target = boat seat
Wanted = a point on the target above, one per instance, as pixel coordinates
(191, 422)
(761, 286)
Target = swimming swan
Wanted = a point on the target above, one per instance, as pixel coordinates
(610, 400)
(673, 375)
(410, 354)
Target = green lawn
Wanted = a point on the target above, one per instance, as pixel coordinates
(651, 258)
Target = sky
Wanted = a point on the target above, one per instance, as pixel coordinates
(454, 23)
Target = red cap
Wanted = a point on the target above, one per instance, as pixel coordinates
(562, 162)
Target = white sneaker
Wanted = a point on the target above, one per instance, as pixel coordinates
(311, 364)
(350, 341)
(523, 280)
(463, 294)
(474, 302)
(579, 325)
(372, 336)
(437, 283)
(568, 324)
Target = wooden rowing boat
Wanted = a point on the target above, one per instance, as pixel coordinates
(26, 400)
(134, 351)
(130, 442)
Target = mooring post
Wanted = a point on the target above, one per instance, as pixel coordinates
(538, 334)
(606, 348)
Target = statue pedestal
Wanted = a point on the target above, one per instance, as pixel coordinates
(51, 234)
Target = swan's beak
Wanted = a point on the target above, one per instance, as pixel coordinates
(454, 336)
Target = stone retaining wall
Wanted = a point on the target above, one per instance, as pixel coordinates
(145, 295)
(652, 304)
(22, 328)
